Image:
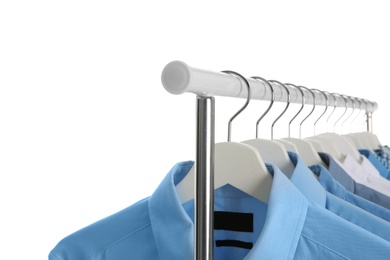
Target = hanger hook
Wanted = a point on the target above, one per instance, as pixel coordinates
(364, 110)
(314, 106)
(285, 109)
(360, 110)
(346, 108)
(303, 104)
(353, 109)
(270, 105)
(326, 107)
(246, 103)
(334, 108)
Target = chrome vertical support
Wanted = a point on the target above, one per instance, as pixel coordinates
(204, 179)
(369, 122)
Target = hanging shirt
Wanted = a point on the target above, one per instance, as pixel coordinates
(159, 227)
(332, 186)
(303, 178)
(376, 161)
(384, 153)
(383, 156)
(339, 173)
(385, 149)
(360, 175)
(368, 166)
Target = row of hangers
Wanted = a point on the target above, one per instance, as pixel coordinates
(242, 165)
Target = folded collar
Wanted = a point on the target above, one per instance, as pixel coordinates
(305, 181)
(173, 228)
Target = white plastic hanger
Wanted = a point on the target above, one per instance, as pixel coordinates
(326, 146)
(305, 149)
(316, 144)
(359, 141)
(288, 145)
(237, 164)
(365, 140)
(270, 150)
(322, 144)
(343, 144)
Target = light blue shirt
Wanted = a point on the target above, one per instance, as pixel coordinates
(303, 178)
(332, 186)
(159, 227)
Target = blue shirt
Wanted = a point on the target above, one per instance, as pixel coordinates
(374, 159)
(303, 178)
(339, 174)
(332, 186)
(383, 156)
(159, 227)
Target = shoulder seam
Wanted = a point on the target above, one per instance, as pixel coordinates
(323, 246)
(117, 241)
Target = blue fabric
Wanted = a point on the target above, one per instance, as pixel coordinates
(339, 175)
(383, 156)
(332, 186)
(303, 178)
(374, 159)
(159, 227)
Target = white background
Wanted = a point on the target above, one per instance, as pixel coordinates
(86, 127)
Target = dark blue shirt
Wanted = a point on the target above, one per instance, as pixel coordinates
(338, 173)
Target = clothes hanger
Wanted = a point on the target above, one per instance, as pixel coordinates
(359, 142)
(237, 164)
(318, 146)
(344, 145)
(366, 140)
(321, 144)
(289, 145)
(305, 149)
(326, 107)
(353, 110)
(270, 150)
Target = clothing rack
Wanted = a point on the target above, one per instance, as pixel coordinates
(178, 78)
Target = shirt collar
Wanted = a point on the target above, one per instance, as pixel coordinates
(286, 215)
(173, 228)
(338, 171)
(324, 176)
(305, 181)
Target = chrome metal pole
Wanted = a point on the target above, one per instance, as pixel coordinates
(204, 179)
(369, 122)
